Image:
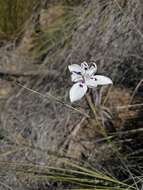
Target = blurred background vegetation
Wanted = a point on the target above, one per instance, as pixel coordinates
(13, 15)
(41, 37)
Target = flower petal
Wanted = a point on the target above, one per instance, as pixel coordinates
(76, 77)
(91, 82)
(84, 67)
(102, 80)
(74, 68)
(77, 91)
(92, 70)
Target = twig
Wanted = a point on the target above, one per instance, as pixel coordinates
(130, 101)
(107, 96)
(127, 132)
(5, 185)
(73, 134)
(129, 106)
(35, 72)
(54, 98)
(135, 91)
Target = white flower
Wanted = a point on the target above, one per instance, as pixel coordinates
(84, 77)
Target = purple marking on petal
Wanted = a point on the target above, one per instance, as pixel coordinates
(81, 85)
(95, 79)
(78, 73)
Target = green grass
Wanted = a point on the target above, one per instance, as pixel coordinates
(83, 178)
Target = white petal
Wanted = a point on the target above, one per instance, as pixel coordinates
(75, 68)
(84, 64)
(91, 82)
(76, 77)
(92, 70)
(102, 80)
(77, 91)
(84, 67)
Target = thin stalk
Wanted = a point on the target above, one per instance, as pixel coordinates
(55, 99)
(93, 109)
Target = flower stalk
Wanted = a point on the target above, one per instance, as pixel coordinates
(84, 78)
(93, 109)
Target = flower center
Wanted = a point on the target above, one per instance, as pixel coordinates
(86, 77)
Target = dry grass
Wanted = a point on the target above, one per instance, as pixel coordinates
(38, 129)
(13, 15)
